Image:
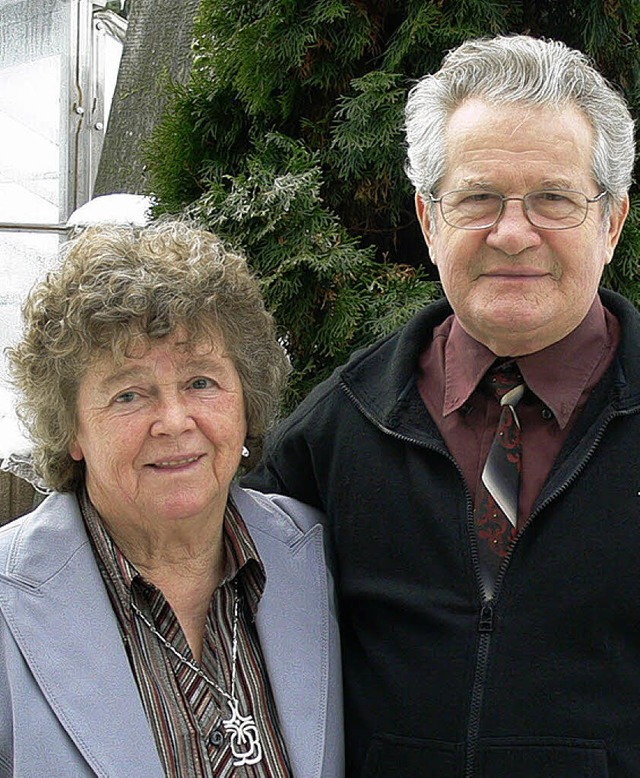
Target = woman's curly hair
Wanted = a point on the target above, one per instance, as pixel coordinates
(118, 287)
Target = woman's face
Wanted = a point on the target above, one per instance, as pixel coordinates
(161, 434)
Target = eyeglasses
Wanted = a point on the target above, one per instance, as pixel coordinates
(549, 209)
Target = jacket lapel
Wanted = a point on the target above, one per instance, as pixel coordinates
(292, 622)
(60, 616)
(59, 613)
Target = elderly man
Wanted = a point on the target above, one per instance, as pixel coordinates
(480, 468)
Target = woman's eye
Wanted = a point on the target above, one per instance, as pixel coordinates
(126, 397)
(201, 383)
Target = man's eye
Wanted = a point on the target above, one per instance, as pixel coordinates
(476, 198)
(552, 197)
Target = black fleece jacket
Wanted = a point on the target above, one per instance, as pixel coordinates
(543, 680)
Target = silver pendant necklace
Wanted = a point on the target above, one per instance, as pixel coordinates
(244, 738)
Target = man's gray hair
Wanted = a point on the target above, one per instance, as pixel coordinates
(525, 70)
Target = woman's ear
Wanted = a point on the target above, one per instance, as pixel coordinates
(75, 451)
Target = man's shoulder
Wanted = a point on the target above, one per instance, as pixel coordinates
(371, 378)
(411, 337)
(394, 352)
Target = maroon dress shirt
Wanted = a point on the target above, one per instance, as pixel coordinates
(559, 378)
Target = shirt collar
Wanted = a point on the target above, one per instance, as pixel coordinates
(466, 361)
(242, 558)
(572, 359)
(116, 570)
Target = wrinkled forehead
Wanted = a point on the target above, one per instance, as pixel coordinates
(549, 143)
(134, 342)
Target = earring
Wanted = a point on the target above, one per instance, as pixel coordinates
(245, 452)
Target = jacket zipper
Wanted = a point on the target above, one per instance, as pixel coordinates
(485, 623)
(487, 608)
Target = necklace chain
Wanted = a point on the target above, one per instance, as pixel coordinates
(182, 658)
(244, 736)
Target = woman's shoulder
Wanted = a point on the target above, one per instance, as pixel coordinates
(276, 513)
(43, 538)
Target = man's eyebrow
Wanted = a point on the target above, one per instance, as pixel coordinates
(471, 182)
(557, 183)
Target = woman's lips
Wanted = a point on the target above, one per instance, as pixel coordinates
(175, 462)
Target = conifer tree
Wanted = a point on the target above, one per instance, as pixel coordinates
(288, 142)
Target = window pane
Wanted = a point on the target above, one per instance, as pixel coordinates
(34, 61)
(24, 258)
(58, 67)
(34, 47)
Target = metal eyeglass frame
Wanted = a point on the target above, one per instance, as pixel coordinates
(504, 199)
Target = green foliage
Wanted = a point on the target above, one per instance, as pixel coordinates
(327, 292)
(288, 142)
(622, 274)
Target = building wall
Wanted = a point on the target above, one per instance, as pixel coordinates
(16, 497)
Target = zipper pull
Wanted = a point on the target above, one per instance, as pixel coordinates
(486, 618)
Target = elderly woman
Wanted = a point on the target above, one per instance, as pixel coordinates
(156, 619)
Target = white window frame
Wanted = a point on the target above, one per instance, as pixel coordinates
(83, 110)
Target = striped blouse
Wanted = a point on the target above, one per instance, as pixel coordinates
(185, 713)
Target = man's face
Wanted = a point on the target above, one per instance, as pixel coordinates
(515, 287)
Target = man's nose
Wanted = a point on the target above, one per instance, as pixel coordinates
(513, 233)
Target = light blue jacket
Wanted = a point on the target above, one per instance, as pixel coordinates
(69, 705)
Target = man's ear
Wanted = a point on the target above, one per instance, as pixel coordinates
(616, 223)
(423, 209)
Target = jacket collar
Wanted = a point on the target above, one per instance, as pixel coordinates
(299, 643)
(382, 378)
(58, 611)
(626, 374)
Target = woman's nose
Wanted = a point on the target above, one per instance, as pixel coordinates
(172, 416)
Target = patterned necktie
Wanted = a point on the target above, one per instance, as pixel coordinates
(496, 508)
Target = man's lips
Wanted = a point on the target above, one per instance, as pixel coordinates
(517, 273)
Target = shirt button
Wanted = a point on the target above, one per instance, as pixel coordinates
(217, 738)
(547, 414)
